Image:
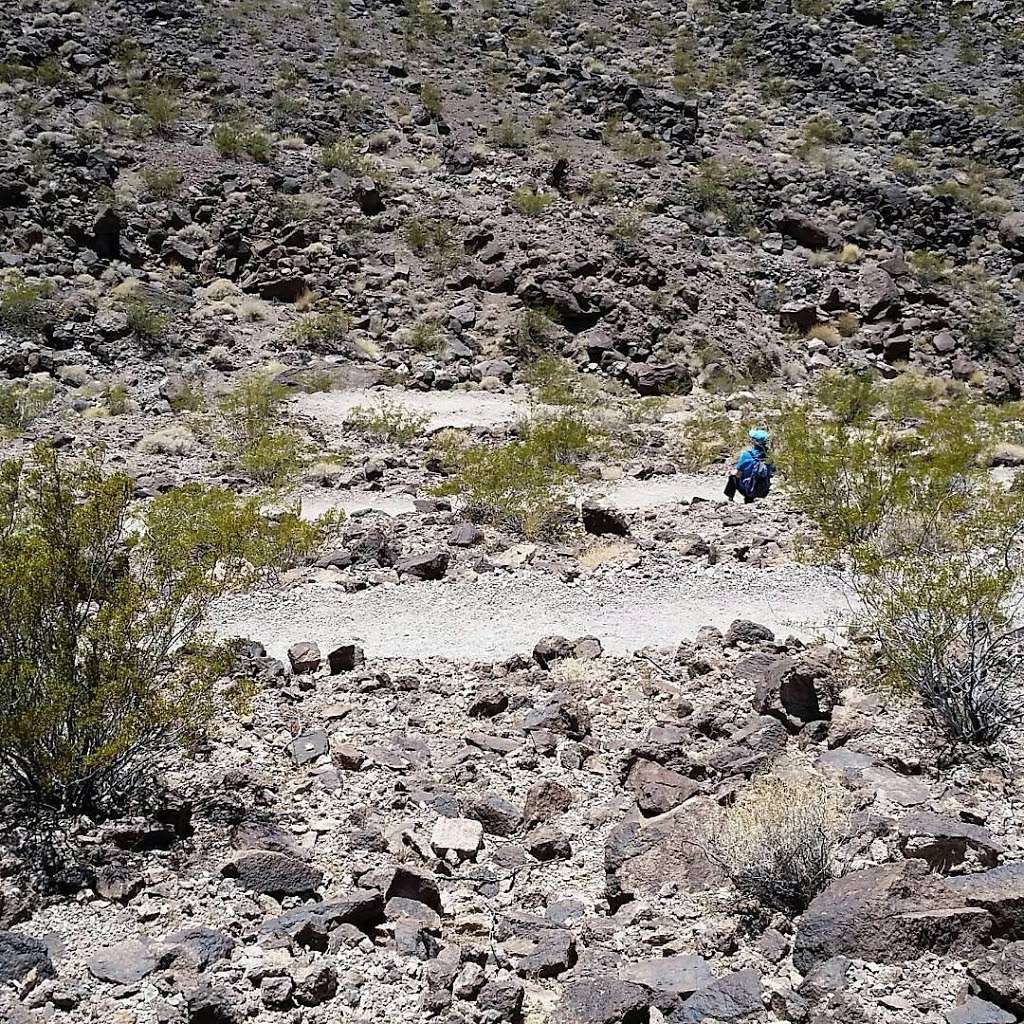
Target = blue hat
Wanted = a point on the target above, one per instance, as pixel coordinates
(759, 436)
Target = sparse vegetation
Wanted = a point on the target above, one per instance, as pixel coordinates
(387, 421)
(714, 186)
(991, 328)
(434, 239)
(323, 331)
(145, 321)
(508, 133)
(531, 203)
(21, 402)
(102, 660)
(534, 330)
(234, 140)
(22, 306)
(522, 486)
(929, 267)
(257, 441)
(345, 155)
(894, 479)
(161, 182)
(779, 840)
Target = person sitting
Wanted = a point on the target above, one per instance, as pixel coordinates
(751, 475)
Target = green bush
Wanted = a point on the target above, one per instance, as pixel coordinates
(435, 240)
(555, 381)
(991, 328)
(432, 99)
(524, 486)
(387, 421)
(161, 182)
(345, 155)
(530, 203)
(144, 320)
(21, 403)
(22, 309)
(159, 106)
(256, 440)
(534, 330)
(234, 140)
(103, 664)
(896, 484)
(928, 267)
(508, 133)
(324, 331)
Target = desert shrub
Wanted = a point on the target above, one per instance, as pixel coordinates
(103, 663)
(535, 329)
(928, 267)
(628, 227)
(387, 421)
(323, 331)
(345, 155)
(524, 485)
(145, 321)
(22, 309)
(21, 403)
(630, 144)
(161, 182)
(779, 840)
(713, 188)
(600, 186)
(991, 328)
(435, 240)
(707, 438)
(508, 133)
(158, 104)
(530, 203)
(426, 336)
(256, 439)
(116, 399)
(895, 482)
(555, 381)
(848, 324)
(432, 99)
(234, 140)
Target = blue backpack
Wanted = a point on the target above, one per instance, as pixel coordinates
(758, 480)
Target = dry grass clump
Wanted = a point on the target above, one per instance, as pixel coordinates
(778, 842)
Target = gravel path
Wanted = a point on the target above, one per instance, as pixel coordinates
(501, 614)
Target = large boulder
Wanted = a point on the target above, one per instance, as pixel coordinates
(1011, 231)
(603, 1000)
(659, 789)
(1000, 892)
(22, 956)
(803, 230)
(124, 963)
(999, 976)
(642, 856)
(427, 565)
(276, 874)
(736, 996)
(877, 293)
(659, 379)
(889, 914)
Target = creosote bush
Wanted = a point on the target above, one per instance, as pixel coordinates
(21, 403)
(779, 841)
(22, 309)
(235, 140)
(530, 203)
(894, 478)
(256, 439)
(524, 485)
(387, 421)
(323, 331)
(144, 320)
(104, 666)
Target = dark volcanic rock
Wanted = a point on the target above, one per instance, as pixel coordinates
(276, 874)
(21, 955)
(428, 565)
(602, 1001)
(888, 914)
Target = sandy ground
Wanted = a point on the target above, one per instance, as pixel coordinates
(459, 409)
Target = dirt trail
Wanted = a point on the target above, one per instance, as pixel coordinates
(498, 615)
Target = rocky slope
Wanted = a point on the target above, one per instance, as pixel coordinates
(439, 807)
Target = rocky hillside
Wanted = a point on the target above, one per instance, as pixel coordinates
(315, 251)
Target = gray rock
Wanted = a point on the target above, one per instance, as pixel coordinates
(659, 789)
(1011, 231)
(747, 632)
(198, 946)
(602, 1000)
(601, 521)
(464, 836)
(502, 996)
(304, 657)
(672, 976)
(978, 1011)
(877, 293)
(735, 996)
(315, 985)
(428, 565)
(276, 992)
(944, 842)
(22, 956)
(345, 658)
(125, 963)
(888, 914)
(545, 800)
(1000, 892)
(309, 746)
(999, 976)
(498, 816)
(276, 874)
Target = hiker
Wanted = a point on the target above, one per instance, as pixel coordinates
(752, 474)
